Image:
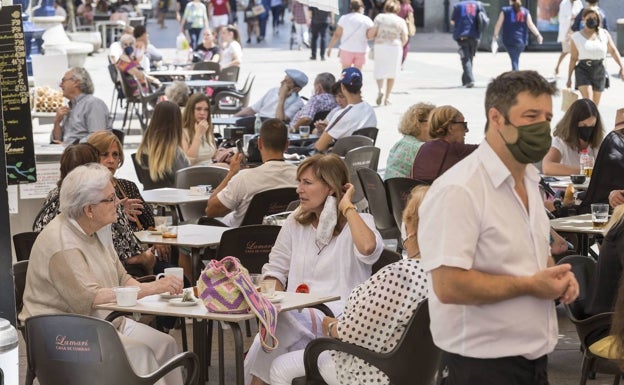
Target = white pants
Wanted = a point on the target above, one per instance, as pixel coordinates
(302, 33)
(289, 366)
(294, 331)
(148, 349)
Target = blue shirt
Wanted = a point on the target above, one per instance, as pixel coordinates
(465, 19)
(515, 30)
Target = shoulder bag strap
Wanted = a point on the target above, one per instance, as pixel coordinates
(343, 113)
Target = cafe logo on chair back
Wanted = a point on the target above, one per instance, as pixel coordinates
(65, 343)
(253, 247)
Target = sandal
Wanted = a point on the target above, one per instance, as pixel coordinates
(379, 97)
(387, 102)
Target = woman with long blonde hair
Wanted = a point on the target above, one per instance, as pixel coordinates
(161, 148)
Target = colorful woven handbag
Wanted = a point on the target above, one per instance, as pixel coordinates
(225, 287)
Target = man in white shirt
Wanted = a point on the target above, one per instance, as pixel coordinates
(484, 239)
(281, 102)
(357, 114)
(233, 195)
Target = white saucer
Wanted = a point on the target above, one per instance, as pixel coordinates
(277, 298)
(178, 302)
(169, 296)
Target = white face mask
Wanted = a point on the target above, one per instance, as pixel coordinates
(403, 232)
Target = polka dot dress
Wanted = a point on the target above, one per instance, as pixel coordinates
(376, 315)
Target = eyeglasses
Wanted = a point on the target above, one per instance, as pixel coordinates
(110, 199)
(63, 80)
(464, 123)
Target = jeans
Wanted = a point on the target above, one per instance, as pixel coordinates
(195, 36)
(467, 50)
(275, 12)
(514, 52)
(318, 30)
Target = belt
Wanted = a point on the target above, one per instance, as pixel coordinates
(590, 62)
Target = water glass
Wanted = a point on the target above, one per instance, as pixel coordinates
(600, 215)
(304, 132)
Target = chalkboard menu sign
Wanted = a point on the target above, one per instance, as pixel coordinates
(14, 98)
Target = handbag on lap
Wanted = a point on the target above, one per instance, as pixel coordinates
(225, 287)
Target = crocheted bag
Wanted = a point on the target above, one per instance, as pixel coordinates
(225, 287)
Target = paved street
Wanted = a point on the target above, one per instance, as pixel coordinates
(431, 73)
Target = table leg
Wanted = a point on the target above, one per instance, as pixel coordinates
(584, 244)
(221, 354)
(238, 352)
(195, 263)
(175, 220)
(199, 347)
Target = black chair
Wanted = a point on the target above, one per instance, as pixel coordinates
(589, 327)
(361, 157)
(414, 360)
(118, 94)
(268, 202)
(23, 243)
(20, 269)
(398, 190)
(228, 101)
(120, 135)
(193, 176)
(250, 244)
(386, 258)
(144, 176)
(375, 193)
(206, 65)
(607, 172)
(370, 132)
(229, 74)
(347, 143)
(99, 359)
(141, 103)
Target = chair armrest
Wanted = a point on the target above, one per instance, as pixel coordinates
(115, 314)
(325, 309)
(187, 359)
(587, 326)
(231, 93)
(319, 345)
(205, 221)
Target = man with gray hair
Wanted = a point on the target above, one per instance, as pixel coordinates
(84, 114)
(322, 100)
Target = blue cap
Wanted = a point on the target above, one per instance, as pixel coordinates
(351, 76)
(299, 78)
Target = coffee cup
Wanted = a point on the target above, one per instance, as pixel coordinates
(126, 295)
(267, 287)
(175, 271)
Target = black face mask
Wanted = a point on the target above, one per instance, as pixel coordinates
(585, 133)
(128, 50)
(592, 23)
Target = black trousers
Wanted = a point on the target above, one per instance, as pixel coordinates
(467, 51)
(318, 30)
(517, 370)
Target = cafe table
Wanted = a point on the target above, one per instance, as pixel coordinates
(562, 182)
(195, 237)
(180, 72)
(171, 198)
(155, 305)
(579, 224)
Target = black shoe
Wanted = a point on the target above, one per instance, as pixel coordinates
(469, 85)
(249, 41)
(313, 58)
(322, 58)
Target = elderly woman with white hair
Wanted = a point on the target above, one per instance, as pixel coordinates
(73, 267)
(129, 64)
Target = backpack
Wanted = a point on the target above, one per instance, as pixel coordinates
(482, 18)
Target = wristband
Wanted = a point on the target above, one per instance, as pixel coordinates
(346, 209)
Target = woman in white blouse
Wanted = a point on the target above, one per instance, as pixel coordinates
(588, 50)
(374, 317)
(390, 34)
(198, 141)
(232, 55)
(325, 246)
(579, 129)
